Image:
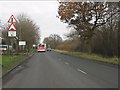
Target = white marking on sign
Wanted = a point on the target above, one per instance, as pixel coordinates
(12, 19)
(22, 42)
(81, 71)
(12, 33)
(12, 27)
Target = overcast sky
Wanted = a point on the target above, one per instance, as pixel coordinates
(43, 13)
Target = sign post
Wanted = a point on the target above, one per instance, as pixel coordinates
(12, 28)
(22, 45)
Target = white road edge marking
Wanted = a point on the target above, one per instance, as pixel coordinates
(81, 71)
(66, 63)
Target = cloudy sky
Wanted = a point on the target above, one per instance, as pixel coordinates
(43, 13)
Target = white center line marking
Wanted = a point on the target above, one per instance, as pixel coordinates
(66, 63)
(81, 71)
(60, 59)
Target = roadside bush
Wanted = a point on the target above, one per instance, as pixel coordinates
(69, 45)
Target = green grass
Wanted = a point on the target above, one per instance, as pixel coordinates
(9, 62)
(0, 66)
(32, 51)
(113, 60)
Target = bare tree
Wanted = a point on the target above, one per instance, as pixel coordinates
(86, 17)
(27, 30)
(53, 40)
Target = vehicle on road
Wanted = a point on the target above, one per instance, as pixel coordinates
(3, 47)
(41, 47)
(49, 49)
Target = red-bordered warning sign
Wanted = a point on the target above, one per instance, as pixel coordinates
(12, 27)
(12, 19)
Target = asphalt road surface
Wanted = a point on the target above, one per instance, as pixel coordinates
(55, 70)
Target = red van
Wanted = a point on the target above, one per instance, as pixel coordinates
(41, 48)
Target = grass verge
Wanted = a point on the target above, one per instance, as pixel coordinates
(95, 57)
(8, 62)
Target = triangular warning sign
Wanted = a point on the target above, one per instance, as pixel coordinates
(12, 19)
(12, 27)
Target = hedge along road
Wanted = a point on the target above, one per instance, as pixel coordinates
(55, 70)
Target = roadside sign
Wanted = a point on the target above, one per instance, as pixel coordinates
(12, 33)
(34, 45)
(22, 42)
(12, 27)
(10, 47)
(12, 19)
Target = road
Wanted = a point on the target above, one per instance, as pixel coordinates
(55, 70)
